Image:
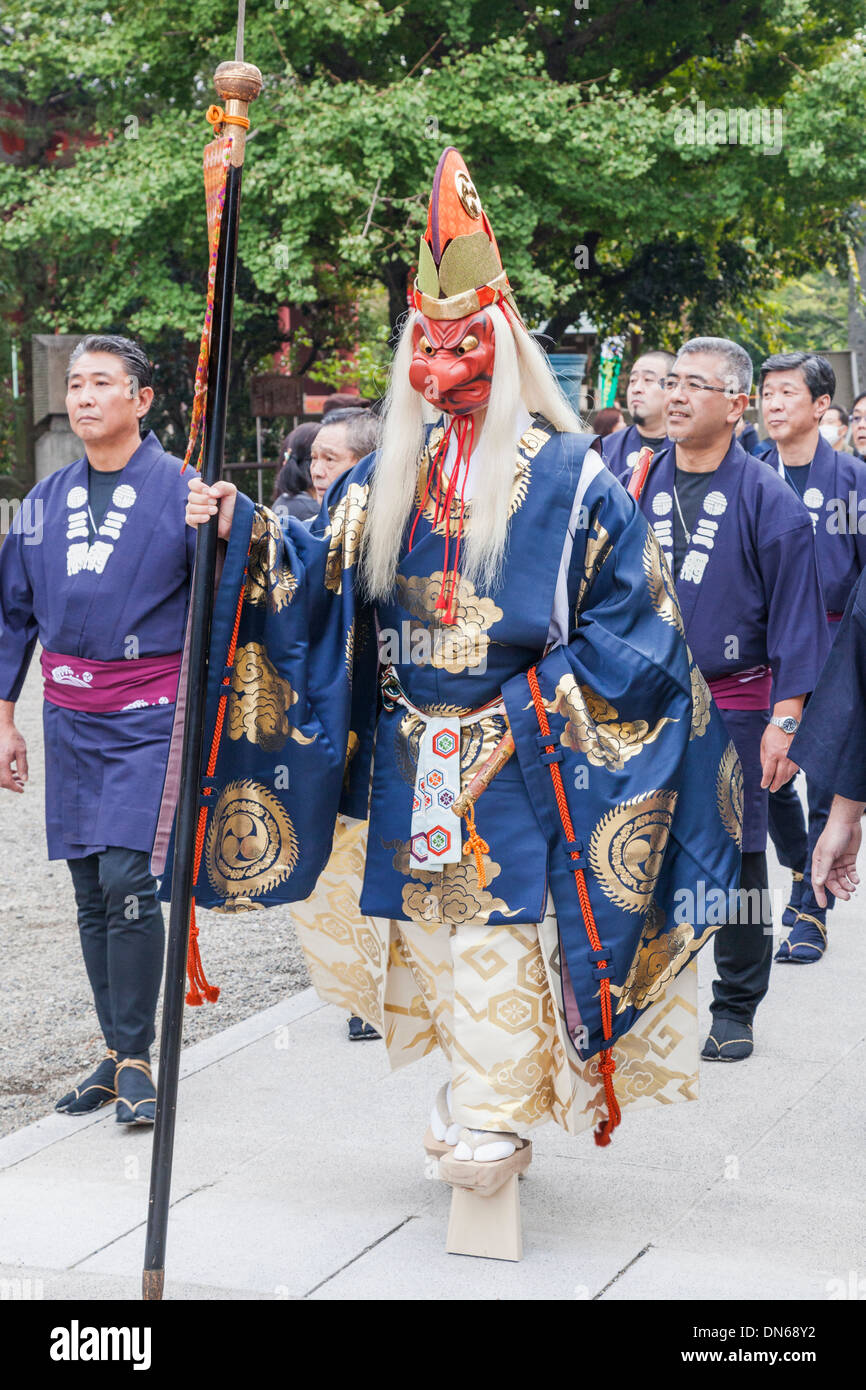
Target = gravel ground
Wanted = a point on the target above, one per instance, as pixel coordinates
(49, 1037)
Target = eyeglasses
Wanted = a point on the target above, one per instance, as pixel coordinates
(691, 384)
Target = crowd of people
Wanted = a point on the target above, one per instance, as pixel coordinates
(669, 643)
(768, 613)
(803, 424)
(807, 433)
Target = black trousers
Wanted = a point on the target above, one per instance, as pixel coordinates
(793, 843)
(744, 947)
(122, 940)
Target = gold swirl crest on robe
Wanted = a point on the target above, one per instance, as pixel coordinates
(533, 439)
(251, 844)
(347, 528)
(269, 580)
(627, 847)
(659, 957)
(453, 647)
(592, 729)
(700, 701)
(729, 794)
(662, 589)
(260, 701)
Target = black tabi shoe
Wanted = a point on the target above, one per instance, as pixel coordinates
(729, 1040)
(807, 940)
(136, 1094)
(789, 916)
(95, 1090)
(359, 1031)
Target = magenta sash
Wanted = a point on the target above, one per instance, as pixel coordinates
(749, 689)
(105, 687)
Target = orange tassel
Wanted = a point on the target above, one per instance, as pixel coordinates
(198, 985)
(199, 989)
(607, 1066)
(475, 845)
(603, 1133)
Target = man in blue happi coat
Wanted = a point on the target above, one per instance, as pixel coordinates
(741, 546)
(96, 570)
(645, 401)
(796, 389)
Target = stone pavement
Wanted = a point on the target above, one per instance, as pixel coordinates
(299, 1173)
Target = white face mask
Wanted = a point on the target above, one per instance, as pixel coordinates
(834, 434)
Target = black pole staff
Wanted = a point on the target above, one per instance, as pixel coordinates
(237, 83)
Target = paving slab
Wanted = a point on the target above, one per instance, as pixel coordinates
(299, 1173)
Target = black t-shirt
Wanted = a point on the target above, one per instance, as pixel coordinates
(691, 489)
(654, 444)
(100, 486)
(799, 476)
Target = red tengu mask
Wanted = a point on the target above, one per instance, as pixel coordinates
(452, 362)
(460, 275)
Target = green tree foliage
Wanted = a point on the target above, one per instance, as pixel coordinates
(807, 311)
(580, 123)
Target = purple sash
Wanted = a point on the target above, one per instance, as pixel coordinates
(105, 687)
(749, 689)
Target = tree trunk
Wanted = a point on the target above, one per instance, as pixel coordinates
(857, 319)
(394, 278)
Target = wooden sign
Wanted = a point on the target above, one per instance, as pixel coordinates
(273, 394)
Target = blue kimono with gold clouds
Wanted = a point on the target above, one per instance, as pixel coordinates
(637, 739)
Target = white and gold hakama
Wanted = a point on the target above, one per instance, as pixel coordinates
(490, 997)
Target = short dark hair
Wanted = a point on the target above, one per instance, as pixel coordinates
(132, 355)
(817, 372)
(840, 411)
(857, 400)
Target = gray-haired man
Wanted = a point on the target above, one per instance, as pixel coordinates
(346, 436)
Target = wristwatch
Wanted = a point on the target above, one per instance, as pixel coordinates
(788, 725)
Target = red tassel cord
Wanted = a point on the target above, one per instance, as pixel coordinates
(607, 1066)
(199, 989)
(463, 428)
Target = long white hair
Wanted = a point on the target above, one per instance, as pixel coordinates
(520, 373)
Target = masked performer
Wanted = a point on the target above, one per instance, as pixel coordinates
(517, 593)
(97, 570)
